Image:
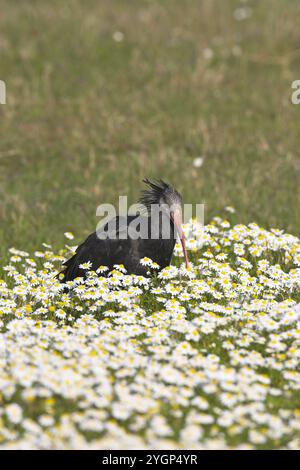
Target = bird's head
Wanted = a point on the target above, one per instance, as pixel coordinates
(169, 200)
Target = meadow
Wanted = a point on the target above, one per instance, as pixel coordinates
(101, 94)
(89, 115)
(201, 358)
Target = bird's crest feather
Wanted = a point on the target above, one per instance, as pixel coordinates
(153, 194)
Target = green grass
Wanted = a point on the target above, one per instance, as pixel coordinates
(88, 117)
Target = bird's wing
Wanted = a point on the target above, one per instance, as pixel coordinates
(114, 228)
(97, 248)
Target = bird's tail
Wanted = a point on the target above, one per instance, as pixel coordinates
(69, 272)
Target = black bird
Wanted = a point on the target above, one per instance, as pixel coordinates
(127, 239)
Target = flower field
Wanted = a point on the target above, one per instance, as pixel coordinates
(205, 358)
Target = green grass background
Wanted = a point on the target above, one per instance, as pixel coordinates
(88, 117)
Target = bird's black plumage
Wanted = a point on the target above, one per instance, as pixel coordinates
(156, 241)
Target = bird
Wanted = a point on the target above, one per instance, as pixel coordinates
(126, 240)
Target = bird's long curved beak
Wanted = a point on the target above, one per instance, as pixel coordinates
(177, 219)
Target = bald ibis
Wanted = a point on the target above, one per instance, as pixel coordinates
(118, 243)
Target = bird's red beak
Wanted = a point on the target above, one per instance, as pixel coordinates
(177, 219)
